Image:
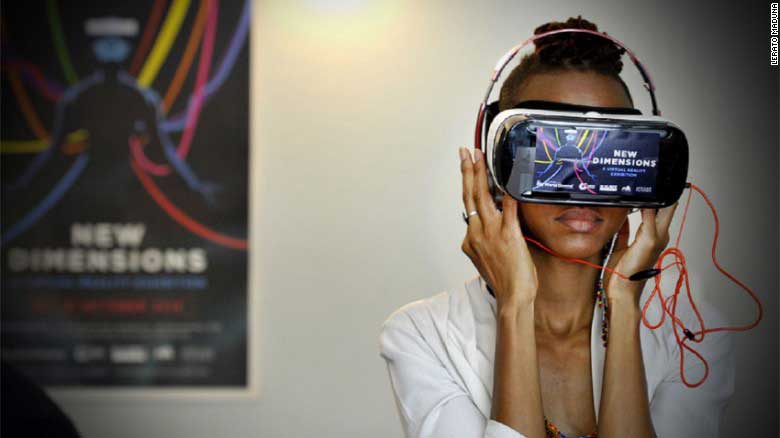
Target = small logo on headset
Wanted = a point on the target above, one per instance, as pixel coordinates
(626, 189)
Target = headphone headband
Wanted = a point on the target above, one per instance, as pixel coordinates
(508, 56)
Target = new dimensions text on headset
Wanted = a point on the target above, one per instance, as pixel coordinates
(559, 153)
(575, 154)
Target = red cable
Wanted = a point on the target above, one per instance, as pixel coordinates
(576, 260)
(669, 304)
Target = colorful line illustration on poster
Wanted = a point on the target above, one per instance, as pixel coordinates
(572, 151)
(110, 47)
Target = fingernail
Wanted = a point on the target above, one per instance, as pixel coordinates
(463, 154)
(477, 155)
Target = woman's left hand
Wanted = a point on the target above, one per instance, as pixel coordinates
(650, 241)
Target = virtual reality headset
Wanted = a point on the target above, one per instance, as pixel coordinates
(551, 152)
(561, 153)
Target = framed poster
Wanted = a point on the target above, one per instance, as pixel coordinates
(125, 193)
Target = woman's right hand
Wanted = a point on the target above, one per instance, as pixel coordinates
(494, 241)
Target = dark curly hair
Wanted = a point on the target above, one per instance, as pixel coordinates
(565, 51)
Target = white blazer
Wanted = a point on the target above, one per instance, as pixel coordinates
(439, 353)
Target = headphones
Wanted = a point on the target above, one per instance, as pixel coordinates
(488, 111)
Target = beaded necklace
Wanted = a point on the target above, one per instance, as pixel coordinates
(601, 302)
(553, 432)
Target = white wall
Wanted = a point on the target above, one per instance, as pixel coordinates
(359, 107)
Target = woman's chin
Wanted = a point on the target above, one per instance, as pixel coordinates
(577, 245)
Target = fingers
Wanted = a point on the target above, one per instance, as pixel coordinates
(654, 230)
(664, 219)
(467, 172)
(646, 237)
(648, 226)
(483, 200)
(509, 222)
(622, 237)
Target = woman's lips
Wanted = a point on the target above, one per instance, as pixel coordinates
(582, 220)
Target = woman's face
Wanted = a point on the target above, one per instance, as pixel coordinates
(573, 231)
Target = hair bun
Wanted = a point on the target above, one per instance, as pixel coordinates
(575, 49)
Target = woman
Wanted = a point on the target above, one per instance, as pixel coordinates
(517, 351)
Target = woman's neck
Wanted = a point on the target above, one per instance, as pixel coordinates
(565, 298)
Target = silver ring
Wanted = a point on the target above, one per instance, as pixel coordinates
(466, 217)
